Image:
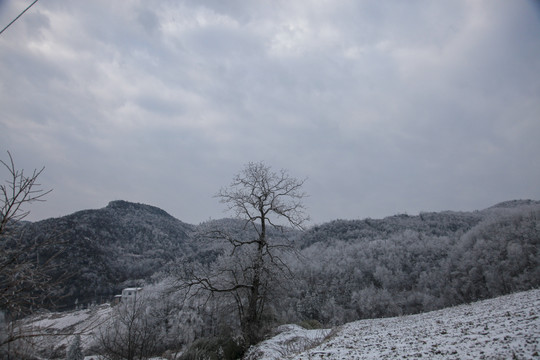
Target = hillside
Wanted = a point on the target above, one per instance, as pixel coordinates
(358, 269)
(506, 327)
(349, 268)
(429, 224)
(106, 249)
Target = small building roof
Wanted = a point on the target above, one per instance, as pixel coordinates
(132, 289)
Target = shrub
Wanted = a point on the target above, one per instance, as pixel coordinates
(214, 348)
(310, 324)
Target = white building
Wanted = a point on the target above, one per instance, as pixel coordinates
(130, 293)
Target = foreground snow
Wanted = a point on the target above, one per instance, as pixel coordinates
(502, 328)
(290, 339)
(507, 327)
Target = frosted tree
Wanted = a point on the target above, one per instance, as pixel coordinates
(20, 276)
(75, 352)
(264, 199)
(24, 279)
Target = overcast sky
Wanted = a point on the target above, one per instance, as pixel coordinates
(386, 107)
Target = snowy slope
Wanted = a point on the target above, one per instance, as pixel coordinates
(289, 340)
(507, 327)
(60, 327)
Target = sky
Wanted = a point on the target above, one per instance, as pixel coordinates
(386, 107)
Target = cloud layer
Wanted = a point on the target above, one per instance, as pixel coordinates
(386, 107)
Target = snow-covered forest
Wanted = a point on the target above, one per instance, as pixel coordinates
(338, 272)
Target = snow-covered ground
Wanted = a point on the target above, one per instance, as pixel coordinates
(507, 327)
(61, 326)
(291, 339)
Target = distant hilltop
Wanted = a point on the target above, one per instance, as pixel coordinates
(126, 205)
(514, 204)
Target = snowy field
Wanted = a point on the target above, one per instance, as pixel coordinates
(62, 325)
(503, 328)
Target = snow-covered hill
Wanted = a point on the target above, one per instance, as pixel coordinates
(105, 250)
(57, 329)
(507, 327)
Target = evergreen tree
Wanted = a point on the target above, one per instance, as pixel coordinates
(75, 351)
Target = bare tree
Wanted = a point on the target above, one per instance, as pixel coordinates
(131, 333)
(19, 190)
(23, 275)
(264, 199)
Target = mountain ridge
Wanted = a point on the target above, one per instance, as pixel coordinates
(126, 243)
(125, 204)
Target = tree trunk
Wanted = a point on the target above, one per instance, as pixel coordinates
(252, 321)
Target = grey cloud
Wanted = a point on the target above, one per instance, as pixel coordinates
(386, 107)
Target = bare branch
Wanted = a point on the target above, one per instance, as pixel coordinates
(18, 191)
